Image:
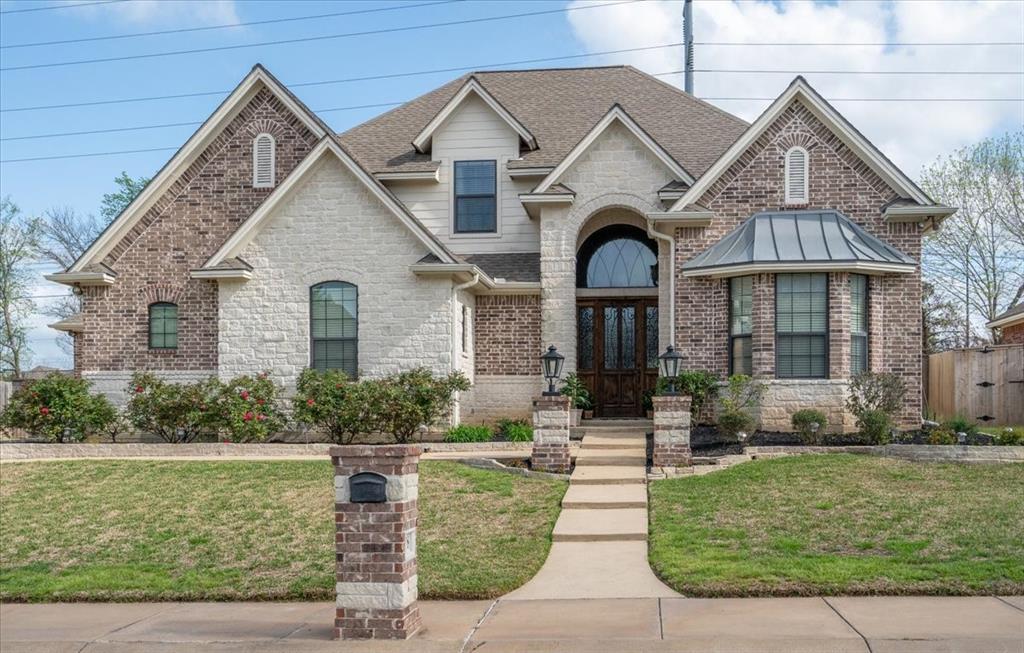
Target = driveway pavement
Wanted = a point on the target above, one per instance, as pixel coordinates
(790, 625)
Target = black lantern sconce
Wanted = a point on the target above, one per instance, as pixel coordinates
(552, 363)
(669, 364)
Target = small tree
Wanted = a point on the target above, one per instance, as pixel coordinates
(743, 393)
(59, 408)
(884, 392)
(174, 412)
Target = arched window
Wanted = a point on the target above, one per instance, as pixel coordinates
(620, 256)
(163, 326)
(796, 175)
(263, 161)
(334, 327)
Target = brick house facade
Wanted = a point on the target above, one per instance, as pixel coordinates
(505, 211)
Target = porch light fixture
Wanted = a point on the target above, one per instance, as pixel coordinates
(552, 363)
(669, 363)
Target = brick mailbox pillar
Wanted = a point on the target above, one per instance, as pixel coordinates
(375, 511)
(672, 432)
(551, 434)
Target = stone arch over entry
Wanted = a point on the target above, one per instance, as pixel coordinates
(562, 233)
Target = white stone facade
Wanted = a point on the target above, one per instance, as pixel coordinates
(494, 397)
(114, 385)
(333, 229)
(786, 396)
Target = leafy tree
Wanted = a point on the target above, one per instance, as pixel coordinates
(977, 258)
(19, 239)
(943, 321)
(128, 189)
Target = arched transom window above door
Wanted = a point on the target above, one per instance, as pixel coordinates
(618, 256)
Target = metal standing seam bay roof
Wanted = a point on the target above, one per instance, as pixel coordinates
(795, 238)
(558, 106)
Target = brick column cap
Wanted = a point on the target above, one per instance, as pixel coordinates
(672, 402)
(552, 402)
(350, 451)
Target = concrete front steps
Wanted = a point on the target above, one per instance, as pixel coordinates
(599, 543)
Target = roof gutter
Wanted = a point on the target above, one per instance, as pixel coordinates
(455, 300)
(671, 241)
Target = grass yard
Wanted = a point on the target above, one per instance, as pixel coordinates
(170, 530)
(841, 524)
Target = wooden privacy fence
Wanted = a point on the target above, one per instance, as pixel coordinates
(985, 385)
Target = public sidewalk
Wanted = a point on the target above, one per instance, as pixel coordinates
(796, 625)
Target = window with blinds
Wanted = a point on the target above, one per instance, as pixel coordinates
(741, 325)
(334, 327)
(263, 161)
(796, 176)
(476, 207)
(858, 323)
(801, 326)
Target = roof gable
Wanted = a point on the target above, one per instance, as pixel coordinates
(800, 90)
(472, 87)
(328, 146)
(615, 115)
(257, 78)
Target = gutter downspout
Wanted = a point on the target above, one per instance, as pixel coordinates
(654, 233)
(456, 412)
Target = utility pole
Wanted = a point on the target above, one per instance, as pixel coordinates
(688, 44)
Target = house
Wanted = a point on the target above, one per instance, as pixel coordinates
(1010, 324)
(600, 210)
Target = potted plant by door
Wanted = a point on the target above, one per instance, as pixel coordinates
(579, 396)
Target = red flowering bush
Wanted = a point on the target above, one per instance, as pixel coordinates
(175, 412)
(249, 410)
(59, 408)
(344, 409)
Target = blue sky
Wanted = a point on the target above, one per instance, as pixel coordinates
(911, 133)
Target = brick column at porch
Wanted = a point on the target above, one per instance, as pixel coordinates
(375, 543)
(551, 434)
(672, 432)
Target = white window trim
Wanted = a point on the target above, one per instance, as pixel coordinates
(798, 201)
(255, 162)
(499, 165)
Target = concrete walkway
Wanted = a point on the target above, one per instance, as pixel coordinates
(599, 548)
(855, 625)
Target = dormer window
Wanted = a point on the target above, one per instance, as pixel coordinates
(263, 161)
(796, 176)
(476, 205)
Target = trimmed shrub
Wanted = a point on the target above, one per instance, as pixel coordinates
(343, 409)
(883, 392)
(742, 394)
(59, 408)
(516, 430)
(942, 435)
(416, 399)
(875, 426)
(248, 408)
(810, 424)
(733, 422)
(1010, 437)
(700, 385)
(467, 433)
(174, 412)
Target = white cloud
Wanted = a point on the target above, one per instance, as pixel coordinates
(911, 133)
(167, 12)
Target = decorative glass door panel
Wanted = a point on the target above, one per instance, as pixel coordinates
(617, 352)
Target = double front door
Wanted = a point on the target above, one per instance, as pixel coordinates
(617, 352)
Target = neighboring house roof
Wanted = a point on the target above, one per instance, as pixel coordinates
(616, 114)
(1009, 317)
(510, 267)
(800, 89)
(795, 241)
(184, 157)
(328, 145)
(558, 107)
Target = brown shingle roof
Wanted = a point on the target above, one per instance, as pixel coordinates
(559, 106)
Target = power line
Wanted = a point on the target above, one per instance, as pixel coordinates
(226, 25)
(868, 44)
(90, 154)
(64, 6)
(859, 72)
(307, 39)
(324, 82)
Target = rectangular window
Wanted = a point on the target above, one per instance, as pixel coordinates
(163, 326)
(801, 325)
(476, 206)
(741, 325)
(585, 329)
(334, 325)
(858, 323)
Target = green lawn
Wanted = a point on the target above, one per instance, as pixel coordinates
(163, 530)
(841, 524)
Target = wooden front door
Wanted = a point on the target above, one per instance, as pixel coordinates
(617, 352)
